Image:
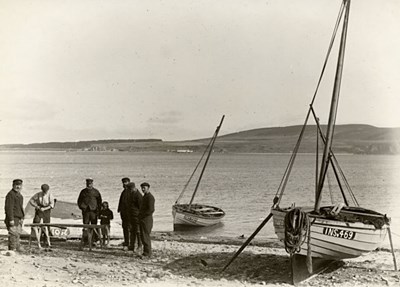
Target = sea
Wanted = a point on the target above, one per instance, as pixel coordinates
(243, 185)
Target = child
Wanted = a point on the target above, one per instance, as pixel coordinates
(105, 216)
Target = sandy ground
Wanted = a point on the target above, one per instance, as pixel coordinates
(179, 261)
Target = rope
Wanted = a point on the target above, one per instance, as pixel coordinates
(288, 170)
(297, 230)
(190, 178)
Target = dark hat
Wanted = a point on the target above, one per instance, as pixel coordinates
(45, 187)
(17, 181)
(131, 185)
(89, 179)
(145, 184)
(126, 179)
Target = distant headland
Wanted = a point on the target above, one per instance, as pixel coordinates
(352, 139)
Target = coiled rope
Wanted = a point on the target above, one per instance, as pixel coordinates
(297, 230)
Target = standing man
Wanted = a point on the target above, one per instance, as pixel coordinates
(135, 203)
(146, 218)
(14, 214)
(89, 201)
(125, 210)
(43, 202)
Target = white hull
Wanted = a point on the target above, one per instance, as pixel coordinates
(198, 215)
(333, 239)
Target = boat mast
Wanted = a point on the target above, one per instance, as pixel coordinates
(333, 109)
(208, 156)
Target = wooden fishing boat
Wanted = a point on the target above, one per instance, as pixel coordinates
(335, 238)
(195, 214)
(333, 232)
(319, 235)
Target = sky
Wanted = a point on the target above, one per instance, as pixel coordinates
(90, 69)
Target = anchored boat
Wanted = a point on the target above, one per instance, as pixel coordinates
(195, 214)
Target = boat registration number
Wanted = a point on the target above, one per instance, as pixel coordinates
(59, 232)
(190, 218)
(339, 233)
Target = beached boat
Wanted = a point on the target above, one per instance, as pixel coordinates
(343, 229)
(63, 213)
(195, 214)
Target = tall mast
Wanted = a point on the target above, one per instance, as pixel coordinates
(208, 156)
(333, 109)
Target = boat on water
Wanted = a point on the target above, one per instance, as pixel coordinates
(195, 214)
(316, 236)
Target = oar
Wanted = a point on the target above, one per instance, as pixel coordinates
(248, 241)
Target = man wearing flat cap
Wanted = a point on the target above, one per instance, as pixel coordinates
(146, 218)
(89, 201)
(124, 210)
(14, 214)
(43, 202)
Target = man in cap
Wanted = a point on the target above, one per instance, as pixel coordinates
(89, 201)
(43, 202)
(124, 210)
(135, 204)
(14, 214)
(146, 218)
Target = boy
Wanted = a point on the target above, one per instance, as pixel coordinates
(106, 215)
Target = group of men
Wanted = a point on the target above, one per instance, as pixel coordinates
(136, 213)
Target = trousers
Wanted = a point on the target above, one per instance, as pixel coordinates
(14, 233)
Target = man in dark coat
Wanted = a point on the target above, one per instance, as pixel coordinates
(14, 214)
(135, 203)
(146, 218)
(125, 210)
(89, 201)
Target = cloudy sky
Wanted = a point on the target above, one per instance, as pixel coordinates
(80, 70)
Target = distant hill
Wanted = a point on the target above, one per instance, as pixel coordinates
(355, 139)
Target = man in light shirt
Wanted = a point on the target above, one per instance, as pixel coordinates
(43, 202)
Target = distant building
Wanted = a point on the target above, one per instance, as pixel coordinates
(184, 150)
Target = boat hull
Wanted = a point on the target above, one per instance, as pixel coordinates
(334, 239)
(196, 215)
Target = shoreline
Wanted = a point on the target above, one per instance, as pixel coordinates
(180, 261)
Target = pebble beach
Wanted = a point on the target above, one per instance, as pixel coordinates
(181, 261)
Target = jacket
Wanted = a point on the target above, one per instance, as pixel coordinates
(14, 205)
(89, 200)
(147, 207)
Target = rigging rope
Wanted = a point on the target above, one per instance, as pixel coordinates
(190, 178)
(288, 170)
(336, 166)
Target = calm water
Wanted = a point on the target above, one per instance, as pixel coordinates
(243, 185)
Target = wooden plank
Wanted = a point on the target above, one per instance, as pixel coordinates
(90, 228)
(63, 225)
